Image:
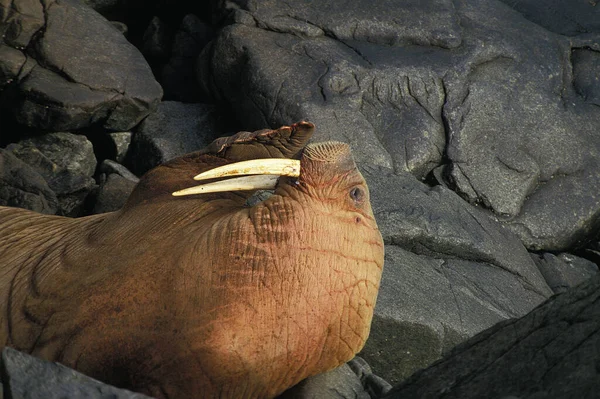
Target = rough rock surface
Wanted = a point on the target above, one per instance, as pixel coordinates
(23, 187)
(567, 17)
(173, 130)
(420, 83)
(25, 376)
(550, 353)
(178, 76)
(354, 380)
(66, 161)
(113, 194)
(564, 271)
(107, 84)
(450, 272)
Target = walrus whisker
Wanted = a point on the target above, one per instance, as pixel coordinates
(266, 166)
(245, 183)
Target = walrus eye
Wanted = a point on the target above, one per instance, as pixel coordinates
(357, 195)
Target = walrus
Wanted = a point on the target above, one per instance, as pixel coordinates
(190, 292)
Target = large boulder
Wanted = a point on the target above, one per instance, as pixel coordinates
(23, 187)
(550, 353)
(64, 67)
(25, 376)
(508, 114)
(450, 272)
(66, 161)
(173, 130)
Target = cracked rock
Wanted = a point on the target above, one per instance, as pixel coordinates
(565, 270)
(506, 117)
(66, 161)
(25, 376)
(178, 76)
(174, 129)
(551, 352)
(23, 187)
(108, 84)
(450, 272)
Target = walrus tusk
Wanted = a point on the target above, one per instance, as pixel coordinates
(267, 171)
(259, 182)
(267, 166)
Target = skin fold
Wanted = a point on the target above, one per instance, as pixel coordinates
(202, 296)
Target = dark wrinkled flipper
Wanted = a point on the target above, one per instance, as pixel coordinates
(177, 174)
(285, 142)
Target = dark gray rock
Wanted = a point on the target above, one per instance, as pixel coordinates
(550, 353)
(354, 380)
(109, 167)
(121, 27)
(173, 130)
(339, 383)
(23, 187)
(25, 376)
(413, 84)
(107, 84)
(157, 40)
(113, 194)
(66, 161)
(567, 17)
(450, 272)
(178, 76)
(120, 141)
(586, 84)
(565, 270)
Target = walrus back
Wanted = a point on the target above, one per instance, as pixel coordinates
(30, 252)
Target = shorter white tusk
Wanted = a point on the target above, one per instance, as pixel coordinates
(265, 166)
(261, 182)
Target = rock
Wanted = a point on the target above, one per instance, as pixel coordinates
(450, 272)
(374, 385)
(567, 17)
(108, 84)
(565, 270)
(178, 76)
(113, 194)
(587, 85)
(25, 376)
(173, 130)
(413, 85)
(156, 39)
(66, 161)
(550, 353)
(109, 167)
(353, 380)
(120, 142)
(23, 187)
(121, 27)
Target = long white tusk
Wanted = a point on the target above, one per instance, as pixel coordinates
(265, 166)
(261, 182)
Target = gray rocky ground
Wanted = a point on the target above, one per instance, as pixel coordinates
(474, 122)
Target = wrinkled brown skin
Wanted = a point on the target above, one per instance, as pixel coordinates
(200, 296)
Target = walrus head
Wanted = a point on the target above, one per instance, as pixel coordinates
(189, 291)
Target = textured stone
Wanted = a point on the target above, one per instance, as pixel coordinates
(23, 187)
(173, 130)
(113, 194)
(550, 353)
(178, 76)
(506, 116)
(66, 161)
(565, 270)
(25, 376)
(450, 272)
(108, 83)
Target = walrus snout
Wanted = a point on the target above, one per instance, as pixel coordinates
(328, 151)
